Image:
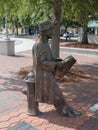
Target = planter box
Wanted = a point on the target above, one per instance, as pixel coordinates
(7, 47)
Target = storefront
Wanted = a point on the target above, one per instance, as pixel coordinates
(93, 25)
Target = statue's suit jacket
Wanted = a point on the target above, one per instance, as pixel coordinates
(46, 88)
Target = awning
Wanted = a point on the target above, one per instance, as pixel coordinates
(93, 24)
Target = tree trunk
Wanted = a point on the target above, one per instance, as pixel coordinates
(6, 28)
(16, 24)
(83, 35)
(13, 28)
(17, 29)
(55, 41)
(65, 29)
(56, 33)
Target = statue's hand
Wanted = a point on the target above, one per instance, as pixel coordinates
(58, 59)
(58, 68)
(60, 64)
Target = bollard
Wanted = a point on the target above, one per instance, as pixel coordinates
(32, 103)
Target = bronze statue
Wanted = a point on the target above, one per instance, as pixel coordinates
(45, 67)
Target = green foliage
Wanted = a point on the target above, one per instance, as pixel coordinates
(10, 7)
(28, 11)
(76, 11)
(41, 11)
(37, 11)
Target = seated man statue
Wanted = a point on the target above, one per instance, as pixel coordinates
(44, 70)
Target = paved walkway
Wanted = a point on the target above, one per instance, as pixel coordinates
(80, 95)
(23, 44)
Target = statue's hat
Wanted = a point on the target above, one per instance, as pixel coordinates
(45, 25)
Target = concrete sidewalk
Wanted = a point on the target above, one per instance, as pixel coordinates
(80, 95)
(23, 44)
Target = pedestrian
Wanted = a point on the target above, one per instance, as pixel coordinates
(67, 36)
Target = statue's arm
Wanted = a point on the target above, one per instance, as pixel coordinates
(44, 63)
(48, 65)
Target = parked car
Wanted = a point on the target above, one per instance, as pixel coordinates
(76, 35)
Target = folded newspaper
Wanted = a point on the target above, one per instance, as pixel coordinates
(69, 62)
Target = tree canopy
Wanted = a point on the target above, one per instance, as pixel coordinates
(32, 12)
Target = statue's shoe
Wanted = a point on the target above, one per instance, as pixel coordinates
(75, 112)
(24, 92)
(66, 112)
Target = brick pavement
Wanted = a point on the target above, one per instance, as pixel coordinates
(80, 95)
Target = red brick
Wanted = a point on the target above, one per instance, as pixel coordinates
(4, 125)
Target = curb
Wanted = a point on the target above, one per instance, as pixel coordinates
(79, 50)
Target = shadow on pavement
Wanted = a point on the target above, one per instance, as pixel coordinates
(90, 124)
(12, 83)
(80, 95)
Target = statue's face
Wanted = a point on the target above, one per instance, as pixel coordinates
(49, 33)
